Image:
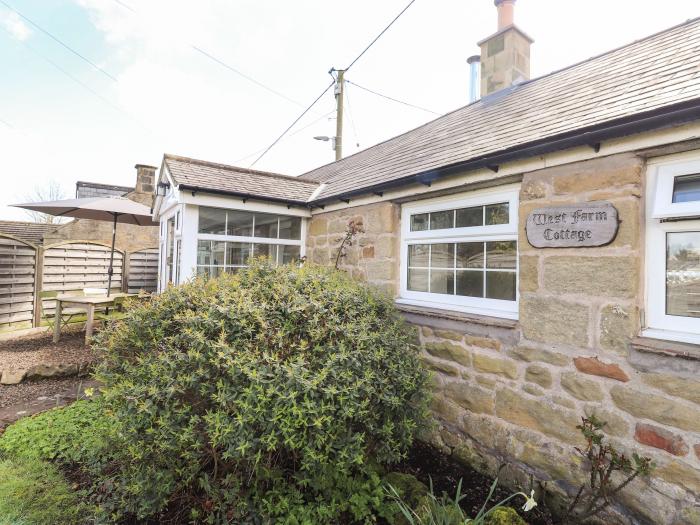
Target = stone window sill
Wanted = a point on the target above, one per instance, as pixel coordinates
(429, 316)
(668, 348)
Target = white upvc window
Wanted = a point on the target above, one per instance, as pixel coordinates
(461, 252)
(673, 248)
(228, 238)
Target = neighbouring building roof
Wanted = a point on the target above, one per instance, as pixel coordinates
(654, 82)
(27, 231)
(95, 189)
(199, 175)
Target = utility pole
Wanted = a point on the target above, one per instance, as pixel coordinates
(339, 97)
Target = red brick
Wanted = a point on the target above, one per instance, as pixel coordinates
(661, 438)
(591, 365)
(368, 252)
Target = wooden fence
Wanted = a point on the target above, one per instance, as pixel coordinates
(70, 266)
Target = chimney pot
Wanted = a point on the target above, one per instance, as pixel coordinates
(505, 13)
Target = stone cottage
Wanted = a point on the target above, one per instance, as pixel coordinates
(545, 239)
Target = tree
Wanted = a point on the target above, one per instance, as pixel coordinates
(50, 191)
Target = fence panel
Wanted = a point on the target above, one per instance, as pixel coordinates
(17, 274)
(143, 271)
(74, 266)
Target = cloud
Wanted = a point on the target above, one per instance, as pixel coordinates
(15, 26)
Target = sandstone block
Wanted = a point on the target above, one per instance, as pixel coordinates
(539, 374)
(482, 342)
(532, 189)
(551, 320)
(610, 173)
(440, 367)
(525, 353)
(591, 365)
(660, 409)
(446, 410)
(486, 382)
(450, 352)
(380, 271)
(12, 376)
(448, 334)
(660, 438)
(615, 425)
(58, 370)
(533, 390)
(628, 234)
(688, 516)
(528, 273)
(470, 397)
(617, 327)
(551, 459)
(696, 448)
(681, 474)
(580, 387)
(537, 415)
(368, 252)
(382, 219)
(608, 276)
(385, 247)
(676, 386)
(495, 365)
(318, 226)
(564, 401)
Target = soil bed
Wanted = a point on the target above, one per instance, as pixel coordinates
(426, 463)
(36, 349)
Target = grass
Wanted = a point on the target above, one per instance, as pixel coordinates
(33, 492)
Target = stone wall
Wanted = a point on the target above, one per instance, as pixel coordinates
(514, 392)
(374, 255)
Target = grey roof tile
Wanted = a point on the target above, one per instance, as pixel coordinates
(650, 74)
(233, 180)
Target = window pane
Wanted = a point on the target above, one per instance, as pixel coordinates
(419, 222)
(470, 283)
(265, 250)
(497, 214)
(418, 255)
(266, 225)
(238, 252)
(204, 253)
(439, 220)
(683, 274)
(212, 220)
(442, 281)
(501, 254)
(218, 249)
(203, 270)
(290, 228)
(500, 285)
(442, 255)
(240, 223)
(470, 217)
(216, 271)
(418, 280)
(289, 254)
(686, 188)
(470, 255)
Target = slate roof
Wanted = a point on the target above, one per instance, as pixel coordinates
(95, 189)
(649, 76)
(27, 231)
(219, 178)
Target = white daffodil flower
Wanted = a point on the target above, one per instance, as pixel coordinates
(530, 502)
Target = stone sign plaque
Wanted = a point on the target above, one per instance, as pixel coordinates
(572, 225)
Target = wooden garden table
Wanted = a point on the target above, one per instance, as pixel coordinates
(89, 303)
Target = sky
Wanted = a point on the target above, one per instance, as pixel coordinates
(149, 79)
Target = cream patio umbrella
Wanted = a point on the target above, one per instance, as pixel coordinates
(114, 209)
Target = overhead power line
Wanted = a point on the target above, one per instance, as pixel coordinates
(333, 83)
(59, 41)
(392, 98)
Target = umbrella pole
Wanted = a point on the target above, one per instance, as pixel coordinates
(111, 256)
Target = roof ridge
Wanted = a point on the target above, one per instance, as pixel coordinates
(495, 95)
(229, 167)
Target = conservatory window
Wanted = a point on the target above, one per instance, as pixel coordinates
(673, 248)
(461, 253)
(229, 238)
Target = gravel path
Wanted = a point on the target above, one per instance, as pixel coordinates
(30, 350)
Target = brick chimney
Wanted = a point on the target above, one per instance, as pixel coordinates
(505, 55)
(144, 192)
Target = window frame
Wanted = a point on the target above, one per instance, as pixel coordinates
(499, 232)
(661, 173)
(252, 239)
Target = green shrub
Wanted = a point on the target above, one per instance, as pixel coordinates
(78, 434)
(261, 395)
(33, 492)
